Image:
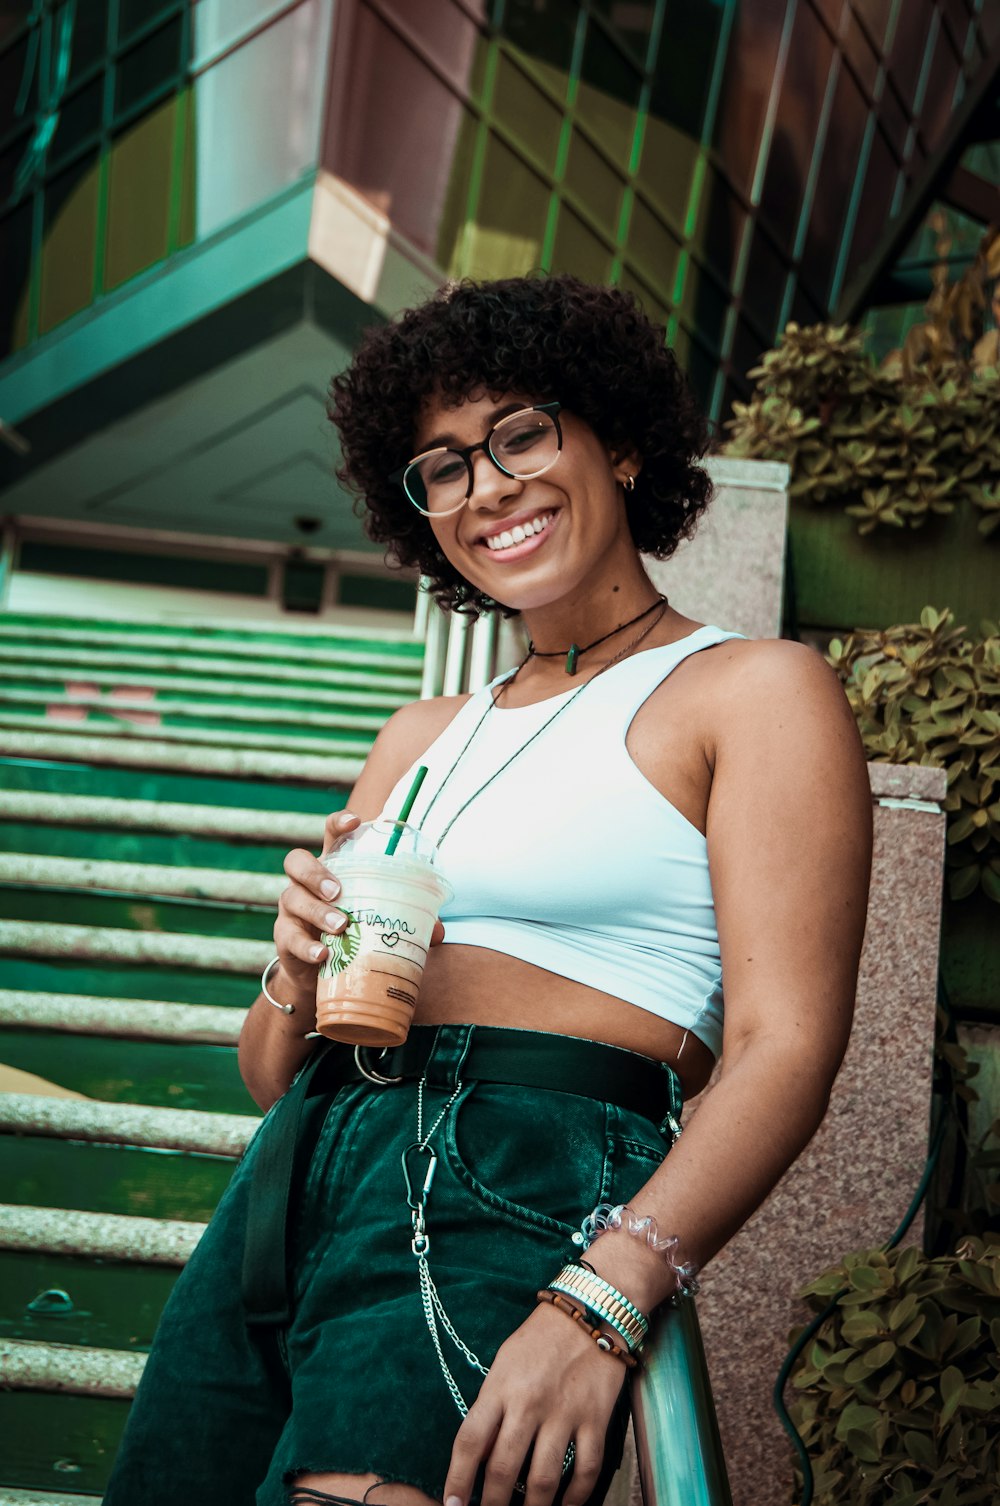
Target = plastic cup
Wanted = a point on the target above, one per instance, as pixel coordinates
(369, 984)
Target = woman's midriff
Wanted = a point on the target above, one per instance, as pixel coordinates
(473, 985)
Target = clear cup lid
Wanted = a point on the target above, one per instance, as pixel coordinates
(373, 838)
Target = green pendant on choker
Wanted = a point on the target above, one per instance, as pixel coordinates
(574, 651)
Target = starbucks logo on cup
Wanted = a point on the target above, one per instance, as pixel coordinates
(343, 946)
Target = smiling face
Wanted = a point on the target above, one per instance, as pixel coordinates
(532, 543)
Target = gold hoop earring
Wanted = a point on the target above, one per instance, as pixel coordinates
(629, 483)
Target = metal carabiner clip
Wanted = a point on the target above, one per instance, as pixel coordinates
(367, 1072)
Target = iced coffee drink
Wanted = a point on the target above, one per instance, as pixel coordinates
(368, 986)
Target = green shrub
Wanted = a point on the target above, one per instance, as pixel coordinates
(929, 693)
(898, 1394)
(894, 444)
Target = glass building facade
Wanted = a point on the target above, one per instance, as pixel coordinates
(734, 162)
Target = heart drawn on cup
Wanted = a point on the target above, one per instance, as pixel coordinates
(390, 938)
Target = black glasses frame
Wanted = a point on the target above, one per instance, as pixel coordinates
(466, 454)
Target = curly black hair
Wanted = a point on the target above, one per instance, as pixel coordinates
(592, 348)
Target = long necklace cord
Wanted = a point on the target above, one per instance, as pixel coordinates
(622, 654)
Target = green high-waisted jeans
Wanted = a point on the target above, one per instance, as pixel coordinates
(347, 1378)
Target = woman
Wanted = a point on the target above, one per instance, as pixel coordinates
(646, 807)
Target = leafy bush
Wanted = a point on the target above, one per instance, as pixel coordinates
(930, 694)
(899, 1393)
(895, 444)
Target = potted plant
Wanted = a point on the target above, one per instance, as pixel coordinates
(895, 469)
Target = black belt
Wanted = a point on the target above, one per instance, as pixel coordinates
(524, 1058)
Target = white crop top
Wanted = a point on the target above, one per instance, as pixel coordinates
(570, 859)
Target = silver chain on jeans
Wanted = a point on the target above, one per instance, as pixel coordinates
(430, 1297)
(437, 1318)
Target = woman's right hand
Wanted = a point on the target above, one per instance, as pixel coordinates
(307, 907)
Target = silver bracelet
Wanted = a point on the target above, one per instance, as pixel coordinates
(265, 975)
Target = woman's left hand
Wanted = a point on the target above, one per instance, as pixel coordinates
(549, 1386)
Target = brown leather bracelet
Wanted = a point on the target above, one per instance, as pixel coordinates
(601, 1339)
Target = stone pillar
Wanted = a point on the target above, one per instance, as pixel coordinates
(853, 1183)
(732, 572)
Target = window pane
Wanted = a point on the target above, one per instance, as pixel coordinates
(595, 184)
(687, 58)
(12, 65)
(139, 195)
(875, 14)
(936, 109)
(10, 161)
(578, 250)
(526, 112)
(70, 237)
(155, 64)
(245, 156)
(750, 63)
(446, 32)
(15, 269)
(876, 201)
(134, 14)
(720, 225)
(810, 56)
(859, 53)
(705, 303)
(609, 95)
(13, 14)
(702, 369)
(837, 169)
(908, 47)
(544, 31)
(79, 121)
(455, 204)
(655, 310)
(506, 239)
(401, 172)
(652, 249)
(90, 36)
(764, 289)
(632, 20)
(667, 166)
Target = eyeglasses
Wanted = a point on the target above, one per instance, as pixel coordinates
(522, 445)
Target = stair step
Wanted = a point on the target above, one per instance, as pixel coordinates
(35, 938)
(11, 1497)
(328, 649)
(144, 752)
(236, 676)
(224, 886)
(231, 823)
(73, 1368)
(131, 1019)
(190, 1130)
(293, 745)
(54, 702)
(99, 1236)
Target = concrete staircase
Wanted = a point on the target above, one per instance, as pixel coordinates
(151, 780)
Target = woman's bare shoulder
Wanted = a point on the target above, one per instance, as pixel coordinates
(407, 734)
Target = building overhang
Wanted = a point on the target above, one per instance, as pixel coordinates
(194, 397)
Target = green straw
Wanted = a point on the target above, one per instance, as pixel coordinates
(400, 820)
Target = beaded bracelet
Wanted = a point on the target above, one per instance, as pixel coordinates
(620, 1216)
(606, 1345)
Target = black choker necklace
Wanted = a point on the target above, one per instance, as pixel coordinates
(574, 651)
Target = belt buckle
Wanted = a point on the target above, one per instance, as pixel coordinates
(372, 1075)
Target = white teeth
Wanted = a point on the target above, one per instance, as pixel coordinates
(518, 533)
